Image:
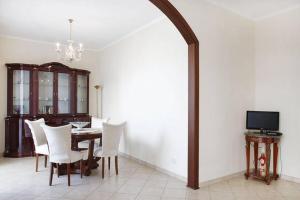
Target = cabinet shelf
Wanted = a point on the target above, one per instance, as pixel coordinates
(20, 99)
(21, 83)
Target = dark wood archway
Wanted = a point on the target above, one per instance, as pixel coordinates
(193, 88)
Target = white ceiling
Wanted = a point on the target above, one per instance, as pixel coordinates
(97, 22)
(101, 22)
(257, 9)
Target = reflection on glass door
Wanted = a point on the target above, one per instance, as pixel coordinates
(45, 92)
(21, 82)
(82, 93)
(64, 93)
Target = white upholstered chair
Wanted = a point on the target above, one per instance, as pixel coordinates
(111, 136)
(59, 141)
(96, 123)
(39, 140)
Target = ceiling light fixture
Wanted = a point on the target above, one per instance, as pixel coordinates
(70, 52)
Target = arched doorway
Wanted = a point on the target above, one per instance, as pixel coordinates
(193, 88)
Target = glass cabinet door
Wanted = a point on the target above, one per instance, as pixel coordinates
(21, 87)
(82, 84)
(64, 93)
(45, 92)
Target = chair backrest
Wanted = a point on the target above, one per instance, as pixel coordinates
(111, 136)
(59, 139)
(98, 122)
(38, 134)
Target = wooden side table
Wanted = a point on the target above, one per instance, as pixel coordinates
(268, 140)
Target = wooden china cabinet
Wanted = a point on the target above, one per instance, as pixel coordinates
(52, 91)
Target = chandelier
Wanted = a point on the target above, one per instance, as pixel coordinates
(71, 52)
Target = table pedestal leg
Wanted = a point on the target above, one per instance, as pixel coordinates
(88, 167)
(275, 157)
(268, 155)
(247, 174)
(255, 157)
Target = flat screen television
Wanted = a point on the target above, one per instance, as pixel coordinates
(262, 120)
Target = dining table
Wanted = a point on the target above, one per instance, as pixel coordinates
(88, 135)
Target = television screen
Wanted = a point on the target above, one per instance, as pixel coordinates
(261, 120)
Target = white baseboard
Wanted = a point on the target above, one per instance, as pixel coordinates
(290, 178)
(201, 184)
(172, 174)
(223, 178)
(204, 183)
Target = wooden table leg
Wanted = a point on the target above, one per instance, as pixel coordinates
(255, 157)
(88, 167)
(275, 158)
(45, 160)
(268, 156)
(247, 174)
(51, 174)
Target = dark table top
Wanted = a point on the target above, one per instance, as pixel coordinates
(258, 134)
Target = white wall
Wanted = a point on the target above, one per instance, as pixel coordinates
(226, 85)
(145, 83)
(27, 51)
(277, 64)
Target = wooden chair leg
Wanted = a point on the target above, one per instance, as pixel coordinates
(57, 165)
(36, 162)
(69, 173)
(103, 165)
(116, 165)
(108, 163)
(81, 168)
(45, 161)
(51, 173)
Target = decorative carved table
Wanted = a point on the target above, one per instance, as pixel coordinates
(268, 140)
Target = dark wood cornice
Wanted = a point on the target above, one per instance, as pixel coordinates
(52, 66)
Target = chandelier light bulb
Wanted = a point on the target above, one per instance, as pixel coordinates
(58, 49)
(80, 47)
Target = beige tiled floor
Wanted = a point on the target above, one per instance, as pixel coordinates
(19, 181)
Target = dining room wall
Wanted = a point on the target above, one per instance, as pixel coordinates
(226, 84)
(145, 83)
(277, 61)
(144, 79)
(19, 50)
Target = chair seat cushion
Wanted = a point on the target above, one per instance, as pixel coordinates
(42, 149)
(72, 157)
(99, 153)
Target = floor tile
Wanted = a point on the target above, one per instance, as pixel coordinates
(134, 182)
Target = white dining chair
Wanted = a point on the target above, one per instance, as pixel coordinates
(96, 123)
(59, 141)
(111, 136)
(39, 140)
